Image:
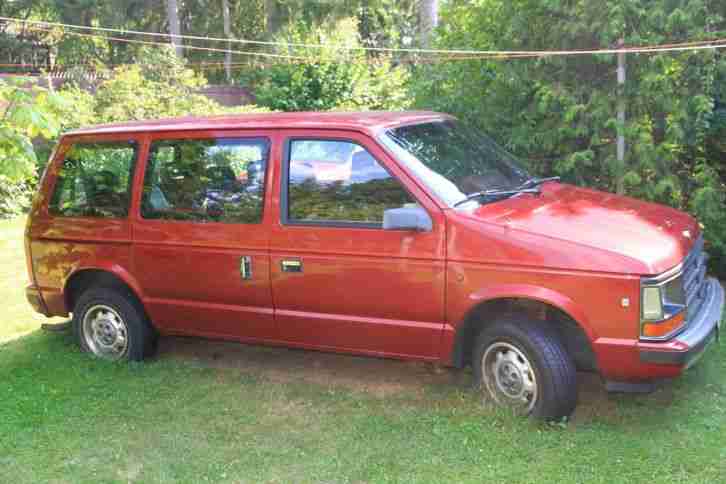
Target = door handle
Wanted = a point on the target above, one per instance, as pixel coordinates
(291, 265)
(245, 267)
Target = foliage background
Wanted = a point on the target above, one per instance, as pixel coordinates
(329, 79)
(558, 114)
(156, 85)
(28, 112)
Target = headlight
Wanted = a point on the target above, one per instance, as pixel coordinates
(652, 304)
(662, 306)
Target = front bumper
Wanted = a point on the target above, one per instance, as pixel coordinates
(689, 345)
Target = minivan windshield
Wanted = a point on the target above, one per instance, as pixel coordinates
(456, 162)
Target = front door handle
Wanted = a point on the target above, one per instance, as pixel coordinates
(245, 267)
(291, 265)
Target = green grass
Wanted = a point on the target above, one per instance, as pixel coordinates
(18, 317)
(65, 417)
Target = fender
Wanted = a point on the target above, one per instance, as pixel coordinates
(454, 338)
(117, 270)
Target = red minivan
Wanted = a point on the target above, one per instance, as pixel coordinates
(403, 235)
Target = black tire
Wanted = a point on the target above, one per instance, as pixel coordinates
(554, 371)
(141, 336)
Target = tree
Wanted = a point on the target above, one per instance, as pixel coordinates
(143, 15)
(428, 20)
(28, 113)
(172, 13)
(273, 17)
(228, 34)
(380, 22)
(559, 113)
(329, 78)
(390, 23)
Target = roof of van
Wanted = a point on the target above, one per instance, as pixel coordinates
(360, 121)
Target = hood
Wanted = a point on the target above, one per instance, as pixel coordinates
(656, 236)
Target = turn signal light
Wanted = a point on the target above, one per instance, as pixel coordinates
(663, 328)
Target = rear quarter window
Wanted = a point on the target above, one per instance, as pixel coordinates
(95, 180)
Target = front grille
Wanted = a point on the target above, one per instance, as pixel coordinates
(694, 277)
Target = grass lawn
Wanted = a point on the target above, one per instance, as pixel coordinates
(65, 417)
(17, 315)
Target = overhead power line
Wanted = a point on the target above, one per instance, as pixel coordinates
(187, 47)
(464, 53)
(292, 58)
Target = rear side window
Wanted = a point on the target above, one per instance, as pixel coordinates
(209, 180)
(95, 181)
(333, 181)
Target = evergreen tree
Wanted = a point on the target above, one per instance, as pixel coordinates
(559, 113)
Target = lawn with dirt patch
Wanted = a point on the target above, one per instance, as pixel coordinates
(221, 412)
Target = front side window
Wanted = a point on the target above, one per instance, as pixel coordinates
(95, 181)
(453, 160)
(339, 182)
(206, 180)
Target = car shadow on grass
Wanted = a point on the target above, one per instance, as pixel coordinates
(381, 378)
(417, 383)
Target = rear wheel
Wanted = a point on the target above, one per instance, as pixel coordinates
(522, 365)
(110, 323)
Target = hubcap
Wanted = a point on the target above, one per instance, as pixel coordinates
(509, 377)
(105, 333)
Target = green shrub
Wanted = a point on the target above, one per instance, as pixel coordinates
(14, 197)
(158, 85)
(329, 79)
(28, 113)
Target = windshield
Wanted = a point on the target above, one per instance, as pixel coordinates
(454, 161)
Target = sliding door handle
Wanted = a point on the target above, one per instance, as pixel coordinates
(291, 265)
(245, 267)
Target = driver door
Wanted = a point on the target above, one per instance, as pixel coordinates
(339, 281)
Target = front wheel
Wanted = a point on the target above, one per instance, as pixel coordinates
(522, 364)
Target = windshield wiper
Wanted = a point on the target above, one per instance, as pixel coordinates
(535, 182)
(495, 194)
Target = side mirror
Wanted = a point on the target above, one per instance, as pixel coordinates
(409, 218)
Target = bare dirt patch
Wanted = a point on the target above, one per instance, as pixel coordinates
(593, 401)
(375, 376)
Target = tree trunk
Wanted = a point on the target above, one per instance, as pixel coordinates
(620, 149)
(274, 15)
(172, 14)
(228, 34)
(428, 18)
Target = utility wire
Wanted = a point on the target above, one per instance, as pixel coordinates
(291, 58)
(188, 47)
(672, 47)
(499, 55)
